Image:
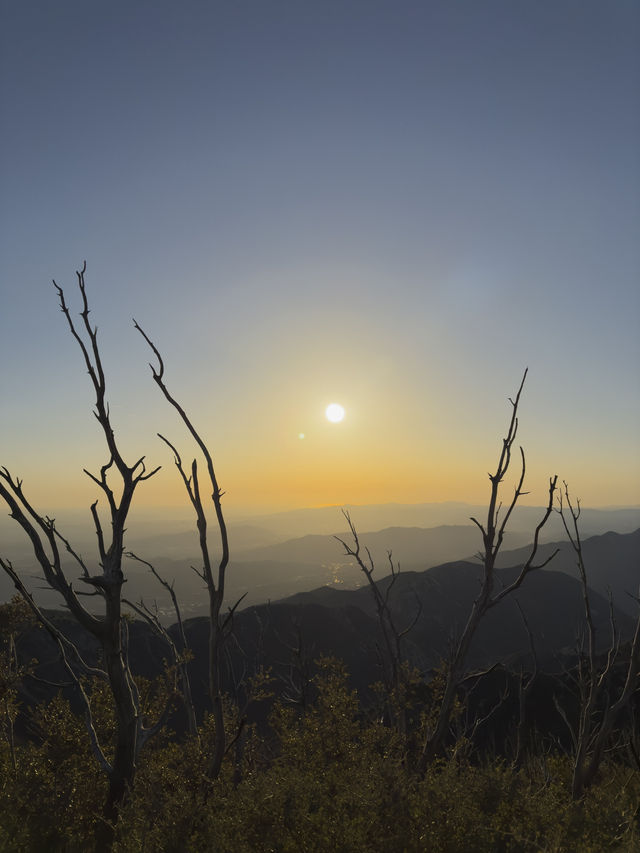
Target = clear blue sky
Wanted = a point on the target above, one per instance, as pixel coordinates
(396, 205)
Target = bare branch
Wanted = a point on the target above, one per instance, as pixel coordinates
(228, 620)
(529, 565)
(492, 537)
(595, 729)
(70, 549)
(215, 587)
(52, 570)
(391, 659)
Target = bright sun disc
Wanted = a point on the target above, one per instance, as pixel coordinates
(334, 413)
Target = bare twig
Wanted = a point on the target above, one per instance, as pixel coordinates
(493, 532)
(215, 585)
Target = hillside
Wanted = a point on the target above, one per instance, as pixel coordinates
(333, 620)
(612, 563)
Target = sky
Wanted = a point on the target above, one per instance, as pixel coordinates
(396, 206)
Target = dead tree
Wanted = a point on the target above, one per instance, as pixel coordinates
(295, 674)
(526, 682)
(180, 654)
(118, 481)
(391, 654)
(493, 532)
(595, 724)
(213, 578)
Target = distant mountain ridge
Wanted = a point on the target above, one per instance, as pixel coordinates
(612, 563)
(374, 517)
(278, 569)
(409, 545)
(551, 601)
(335, 621)
(341, 622)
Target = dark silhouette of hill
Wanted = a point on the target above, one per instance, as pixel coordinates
(551, 601)
(612, 562)
(274, 571)
(264, 567)
(342, 623)
(335, 621)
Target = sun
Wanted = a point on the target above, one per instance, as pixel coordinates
(334, 413)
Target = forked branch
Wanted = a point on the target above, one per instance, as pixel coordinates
(492, 537)
(215, 586)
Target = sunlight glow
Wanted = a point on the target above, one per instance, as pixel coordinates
(334, 413)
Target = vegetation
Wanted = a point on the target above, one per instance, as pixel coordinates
(327, 779)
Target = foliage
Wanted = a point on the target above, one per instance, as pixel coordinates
(14, 617)
(52, 798)
(330, 778)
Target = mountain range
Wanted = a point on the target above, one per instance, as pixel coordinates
(265, 567)
(333, 620)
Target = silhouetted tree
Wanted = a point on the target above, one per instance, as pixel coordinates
(118, 481)
(493, 532)
(180, 653)
(599, 708)
(213, 578)
(396, 674)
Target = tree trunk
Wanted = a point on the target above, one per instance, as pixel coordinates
(219, 743)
